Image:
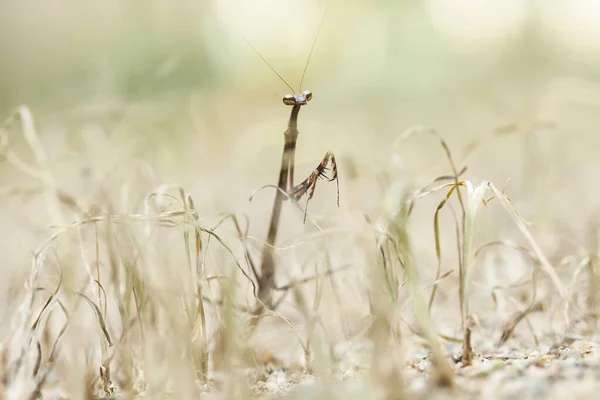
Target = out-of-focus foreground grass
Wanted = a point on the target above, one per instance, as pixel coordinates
(135, 133)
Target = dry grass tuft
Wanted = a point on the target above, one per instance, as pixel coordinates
(140, 288)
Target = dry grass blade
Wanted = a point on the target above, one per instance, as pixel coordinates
(393, 244)
(438, 251)
(475, 198)
(231, 253)
(62, 331)
(288, 196)
(199, 337)
(544, 263)
(465, 236)
(51, 297)
(242, 235)
(311, 278)
(594, 287)
(24, 115)
(98, 316)
(513, 321)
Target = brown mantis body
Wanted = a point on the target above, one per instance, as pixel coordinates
(287, 189)
(286, 176)
(266, 281)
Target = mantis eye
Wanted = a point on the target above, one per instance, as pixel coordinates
(289, 100)
(307, 95)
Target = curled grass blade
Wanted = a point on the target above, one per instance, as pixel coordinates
(98, 316)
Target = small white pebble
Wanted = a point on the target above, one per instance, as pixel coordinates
(348, 375)
(281, 378)
(418, 385)
(309, 381)
(271, 386)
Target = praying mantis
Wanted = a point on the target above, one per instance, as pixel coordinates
(287, 189)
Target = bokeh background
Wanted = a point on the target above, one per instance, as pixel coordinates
(129, 95)
(162, 92)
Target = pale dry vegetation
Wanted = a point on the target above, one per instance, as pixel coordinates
(462, 262)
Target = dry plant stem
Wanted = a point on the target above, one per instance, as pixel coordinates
(464, 259)
(442, 372)
(438, 249)
(394, 245)
(464, 247)
(197, 312)
(40, 172)
(467, 356)
(544, 263)
(310, 316)
(594, 278)
(514, 320)
(385, 370)
(594, 286)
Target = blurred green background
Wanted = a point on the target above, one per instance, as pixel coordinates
(63, 52)
(151, 92)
